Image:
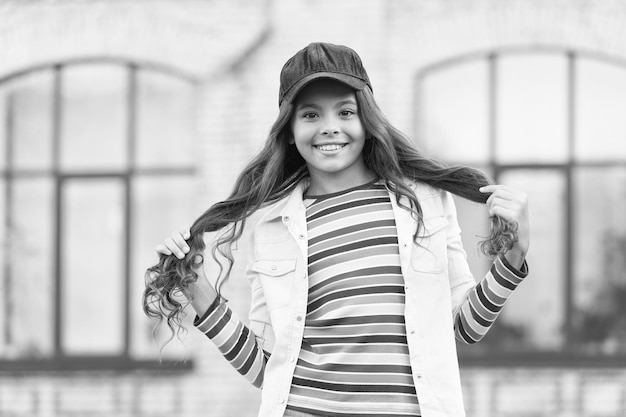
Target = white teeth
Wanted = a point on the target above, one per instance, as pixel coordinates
(329, 147)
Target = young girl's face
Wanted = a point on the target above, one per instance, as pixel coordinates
(329, 135)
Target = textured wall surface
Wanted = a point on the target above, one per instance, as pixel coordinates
(235, 49)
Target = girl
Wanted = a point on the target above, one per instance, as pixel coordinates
(359, 282)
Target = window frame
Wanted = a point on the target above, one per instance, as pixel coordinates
(534, 358)
(60, 360)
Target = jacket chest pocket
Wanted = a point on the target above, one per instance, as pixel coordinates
(276, 278)
(429, 254)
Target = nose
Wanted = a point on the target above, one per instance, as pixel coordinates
(330, 131)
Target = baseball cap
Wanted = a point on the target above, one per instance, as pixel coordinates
(321, 60)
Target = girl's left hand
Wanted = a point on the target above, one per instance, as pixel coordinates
(512, 205)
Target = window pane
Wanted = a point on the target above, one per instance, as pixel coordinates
(31, 124)
(160, 206)
(4, 116)
(30, 271)
(532, 108)
(533, 317)
(94, 127)
(165, 122)
(454, 122)
(600, 260)
(4, 257)
(600, 104)
(93, 274)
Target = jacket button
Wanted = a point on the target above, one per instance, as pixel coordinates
(301, 237)
(286, 219)
(299, 318)
(273, 267)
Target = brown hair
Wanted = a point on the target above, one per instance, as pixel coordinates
(275, 172)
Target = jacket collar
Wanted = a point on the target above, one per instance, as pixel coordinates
(289, 205)
(292, 204)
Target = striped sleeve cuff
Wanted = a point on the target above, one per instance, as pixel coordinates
(519, 273)
(199, 320)
(485, 302)
(234, 340)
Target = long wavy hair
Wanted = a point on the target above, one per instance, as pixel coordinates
(275, 172)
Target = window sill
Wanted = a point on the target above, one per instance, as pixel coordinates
(541, 360)
(92, 363)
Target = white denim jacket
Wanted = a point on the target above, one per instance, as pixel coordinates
(437, 285)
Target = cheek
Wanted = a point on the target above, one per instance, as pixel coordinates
(302, 148)
(357, 130)
(302, 135)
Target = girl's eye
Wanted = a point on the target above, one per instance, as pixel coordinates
(346, 113)
(309, 115)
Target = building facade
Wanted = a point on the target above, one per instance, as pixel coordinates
(122, 121)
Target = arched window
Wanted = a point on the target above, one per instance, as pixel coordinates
(551, 123)
(95, 159)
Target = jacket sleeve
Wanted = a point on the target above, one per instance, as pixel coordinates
(475, 306)
(234, 340)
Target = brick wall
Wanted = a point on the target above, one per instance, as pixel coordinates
(237, 49)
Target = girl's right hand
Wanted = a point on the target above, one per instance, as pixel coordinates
(176, 244)
(203, 292)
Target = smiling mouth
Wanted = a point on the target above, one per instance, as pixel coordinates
(330, 148)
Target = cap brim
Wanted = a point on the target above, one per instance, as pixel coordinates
(349, 80)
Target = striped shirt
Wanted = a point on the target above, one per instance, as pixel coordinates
(354, 358)
(479, 309)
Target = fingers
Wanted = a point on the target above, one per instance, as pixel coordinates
(489, 188)
(512, 215)
(198, 262)
(506, 202)
(512, 205)
(162, 249)
(176, 244)
(180, 241)
(509, 207)
(501, 191)
(184, 232)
